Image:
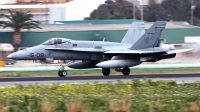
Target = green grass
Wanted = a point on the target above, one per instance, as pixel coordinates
(134, 96)
(98, 72)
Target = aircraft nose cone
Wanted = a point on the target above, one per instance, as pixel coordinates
(9, 56)
(17, 55)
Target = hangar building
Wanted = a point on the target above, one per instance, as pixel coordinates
(97, 30)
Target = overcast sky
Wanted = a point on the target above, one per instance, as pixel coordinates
(78, 9)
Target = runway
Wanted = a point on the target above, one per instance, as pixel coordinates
(24, 67)
(188, 78)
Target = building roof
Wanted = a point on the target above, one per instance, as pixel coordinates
(83, 27)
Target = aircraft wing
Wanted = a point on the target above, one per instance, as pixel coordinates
(129, 52)
(77, 49)
(146, 52)
(116, 52)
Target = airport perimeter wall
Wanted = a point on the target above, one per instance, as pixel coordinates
(28, 39)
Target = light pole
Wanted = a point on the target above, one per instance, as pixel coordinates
(133, 9)
(47, 1)
(97, 13)
(39, 14)
(141, 10)
(192, 10)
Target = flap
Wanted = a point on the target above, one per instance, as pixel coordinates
(178, 51)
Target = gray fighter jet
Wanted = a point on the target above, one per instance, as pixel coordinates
(135, 48)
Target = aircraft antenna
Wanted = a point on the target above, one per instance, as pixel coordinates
(103, 39)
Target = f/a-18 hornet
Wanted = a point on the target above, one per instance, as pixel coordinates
(136, 47)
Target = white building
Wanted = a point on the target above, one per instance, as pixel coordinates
(74, 10)
(7, 1)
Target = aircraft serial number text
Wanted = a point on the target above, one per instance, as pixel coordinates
(36, 54)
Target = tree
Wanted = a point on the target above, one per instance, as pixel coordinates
(101, 13)
(175, 10)
(18, 20)
(197, 11)
(196, 21)
(155, 12)
(179, 10)
(118, 9)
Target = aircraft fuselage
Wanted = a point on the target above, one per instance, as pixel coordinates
(41, 52)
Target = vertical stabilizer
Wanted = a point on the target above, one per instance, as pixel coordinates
(151, 37)
(136, 30)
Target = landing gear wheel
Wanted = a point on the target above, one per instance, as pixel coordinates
(62, 73)
(105, 71)
(59, 73)
(126, 71)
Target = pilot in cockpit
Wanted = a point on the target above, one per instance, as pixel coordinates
(58, 41)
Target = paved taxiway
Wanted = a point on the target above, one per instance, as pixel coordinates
(188, 78)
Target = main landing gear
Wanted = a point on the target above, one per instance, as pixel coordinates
(106, 71)
(125, 71)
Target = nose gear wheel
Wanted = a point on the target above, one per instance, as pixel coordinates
(62, 72)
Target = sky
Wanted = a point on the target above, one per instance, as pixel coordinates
(78, 9)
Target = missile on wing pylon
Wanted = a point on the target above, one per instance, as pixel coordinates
(119, 63)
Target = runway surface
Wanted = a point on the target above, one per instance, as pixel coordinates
(10, 79)
(178, 62)
(188, 78)
(24, 67)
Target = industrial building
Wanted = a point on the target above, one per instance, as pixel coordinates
(64, 20)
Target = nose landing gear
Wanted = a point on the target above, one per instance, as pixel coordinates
(62, 72)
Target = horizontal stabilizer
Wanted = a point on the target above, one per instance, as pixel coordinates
(178, 51)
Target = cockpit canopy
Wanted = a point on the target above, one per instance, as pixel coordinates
(54, 41)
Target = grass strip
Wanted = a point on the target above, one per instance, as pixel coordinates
(134, 96)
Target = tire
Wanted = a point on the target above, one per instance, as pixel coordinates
(59, 73)
(64, 73)
(126, 71)
(106, 72)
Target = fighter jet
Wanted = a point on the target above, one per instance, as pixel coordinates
(136, 47)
